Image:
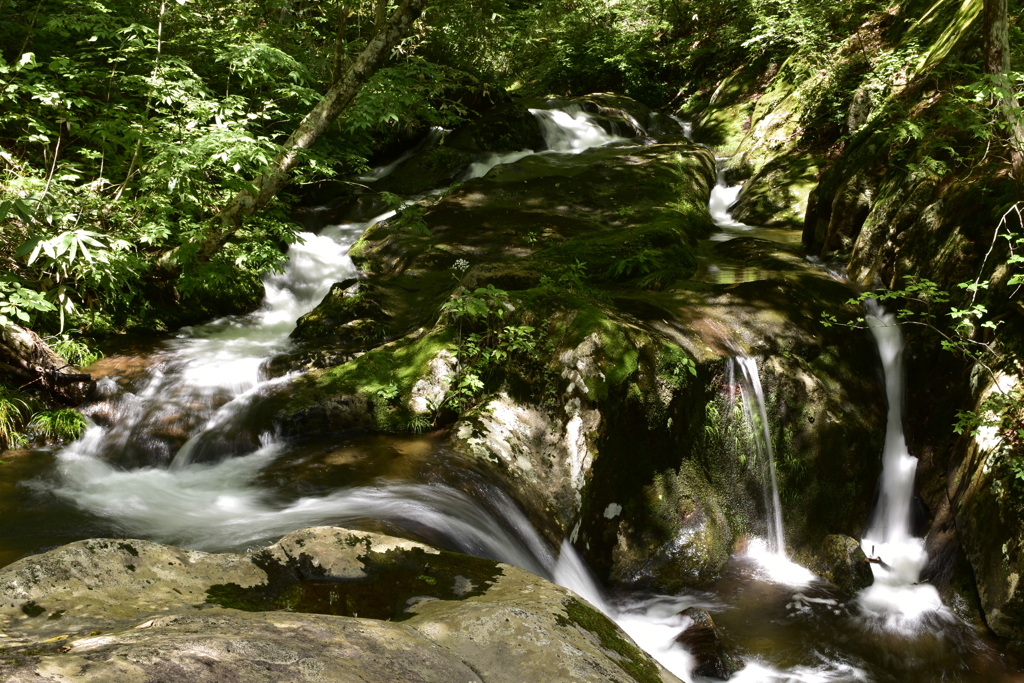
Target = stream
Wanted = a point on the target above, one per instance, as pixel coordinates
(187, 459)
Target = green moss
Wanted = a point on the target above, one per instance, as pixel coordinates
(393, 369)
(634, 661)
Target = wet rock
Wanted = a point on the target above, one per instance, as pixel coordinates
(351, 312)
(676, 535)
(776, 195)
(703, 640)
(508, 127)
(428, 170)
(179, 615)
(327, 413)
(843, 562)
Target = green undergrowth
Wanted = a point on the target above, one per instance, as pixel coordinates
(496, 341)
(24, 420)
(387, 374)
(60, 426)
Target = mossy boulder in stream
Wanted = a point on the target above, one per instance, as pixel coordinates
(508, 127)
(103, 610)
(843, 562)
(544, 314)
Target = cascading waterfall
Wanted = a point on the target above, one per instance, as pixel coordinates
(723, 196)
(572, 130)
(206, 494)
(201, 380)
(756, 416)
(568, 131)
(896, 592)
(185, 462)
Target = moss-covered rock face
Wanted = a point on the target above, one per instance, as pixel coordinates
(987, 506)
(544, 313)
(679, 537)
(777, 194)
(509, 127)
(323, 602)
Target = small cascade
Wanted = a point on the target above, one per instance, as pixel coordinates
(685, 126)
(432, 138)
(722, 198)
(191, 404)
(757, 418)
(895, 593)
(572, 130)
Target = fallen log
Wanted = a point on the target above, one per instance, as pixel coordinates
(30, 361)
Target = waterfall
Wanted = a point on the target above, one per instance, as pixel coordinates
(432, 138)
(757, 418)
(895, 595)
(722, 198)
(565, 131)
(685, 126)
(572, 130)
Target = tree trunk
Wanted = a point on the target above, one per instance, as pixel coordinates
(30, 360)
(381, 14)
(997, 63)
(338, 97)
(340, 62)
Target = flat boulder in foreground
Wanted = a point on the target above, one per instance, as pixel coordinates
(324, 603)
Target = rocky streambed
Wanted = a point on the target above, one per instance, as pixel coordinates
(560, 362)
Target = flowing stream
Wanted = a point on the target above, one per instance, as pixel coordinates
(188, 460)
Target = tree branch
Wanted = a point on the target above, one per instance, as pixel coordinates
(338, 97)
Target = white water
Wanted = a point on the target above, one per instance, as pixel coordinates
(433, 137)
(723, 197)
(223, 503)
(895, 595)
(685, 126)
(572, 130)
(757, 418)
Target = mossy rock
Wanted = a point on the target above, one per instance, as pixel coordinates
(675, 535)
(433, 168)
(178, 616)
(777, 194)
(508, 127)
(843, 562)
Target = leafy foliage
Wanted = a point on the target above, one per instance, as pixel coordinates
(491, 346)
(61, 425)
(15, 411)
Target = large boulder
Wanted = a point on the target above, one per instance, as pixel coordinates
(546, 316)
(323, 603)
(777, 194)
(843, 562)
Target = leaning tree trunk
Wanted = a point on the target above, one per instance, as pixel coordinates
(30, 361)
(338, 97)
(997, 63)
